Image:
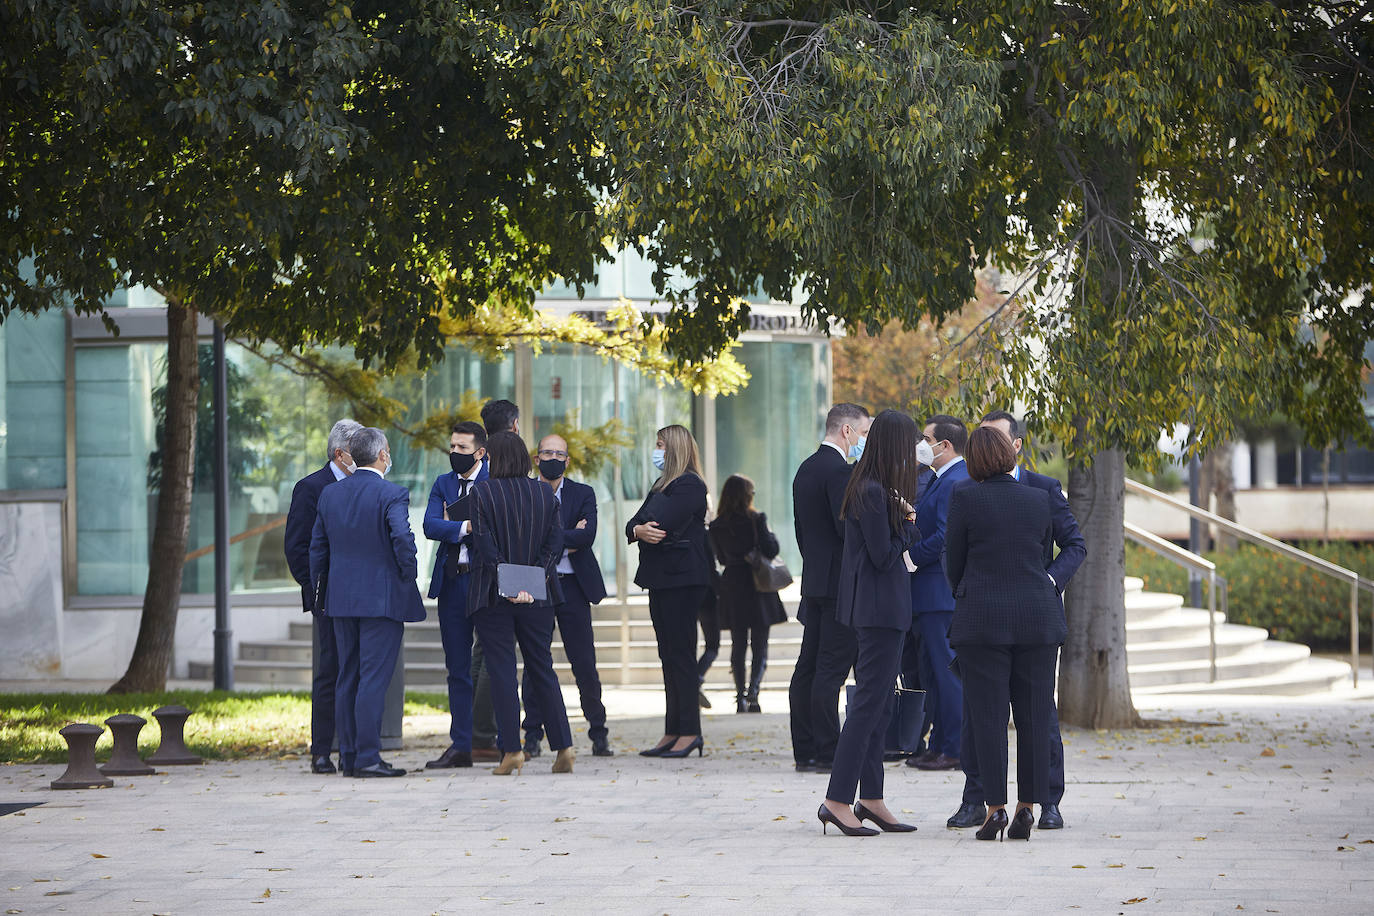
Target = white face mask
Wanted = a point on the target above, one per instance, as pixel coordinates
(387, 470)
(924, 453)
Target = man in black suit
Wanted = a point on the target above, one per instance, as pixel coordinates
(1072, 551)
(579, 576)
(300, 522)
(828, 648)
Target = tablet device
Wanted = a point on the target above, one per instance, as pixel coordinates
(511, 580)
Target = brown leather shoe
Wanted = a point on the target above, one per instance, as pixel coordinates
(486, 754)
(939, 762)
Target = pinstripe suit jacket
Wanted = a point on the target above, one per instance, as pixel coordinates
(514, 520)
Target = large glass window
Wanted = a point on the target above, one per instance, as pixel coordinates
(33, 418)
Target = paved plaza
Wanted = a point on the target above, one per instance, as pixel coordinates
(1227, 805)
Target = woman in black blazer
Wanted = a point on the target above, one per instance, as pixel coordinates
(1007, 627)
(674, 566)
(515, 519)
(874, 597)
(736, 531)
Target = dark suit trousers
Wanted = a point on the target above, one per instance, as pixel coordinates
(944, 695)
(455, 631)
(367, 658)
(968, 759)
(674, 615)
(859, 755)
(1022, 676)
(531, 626)
(827, 653)
(709, 617)
(574, 618)
(483, 716)
(322, 685)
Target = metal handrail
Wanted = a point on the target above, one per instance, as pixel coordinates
(1186, 558)
(1356, 581)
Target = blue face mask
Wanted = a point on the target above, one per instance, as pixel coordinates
(856, 450)
(657, 458)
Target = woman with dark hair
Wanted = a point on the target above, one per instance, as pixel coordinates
(1007, 627)
(874, 597)
(515, 520)
(736, 531)
(674, 566)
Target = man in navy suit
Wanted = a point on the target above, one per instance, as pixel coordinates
(932, 603)
(1072, 551)
(448, 521)
(828, 648)
(300, 523)
(362, 559)
(579, 576)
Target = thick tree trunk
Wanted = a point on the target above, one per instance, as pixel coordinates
(1094, 690)
(152, 658)
(1221, 484)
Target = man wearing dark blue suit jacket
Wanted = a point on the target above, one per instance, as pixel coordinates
(1072, 551)
(579, 576)
(362, 559)
(932, 602)
(300, 523)
(448, 521)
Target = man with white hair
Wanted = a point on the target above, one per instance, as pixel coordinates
(300, 521)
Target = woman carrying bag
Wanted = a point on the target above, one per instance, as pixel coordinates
(737, 532)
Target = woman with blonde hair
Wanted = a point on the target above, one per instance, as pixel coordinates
(674, 567)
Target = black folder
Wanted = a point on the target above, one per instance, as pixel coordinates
(511, 580)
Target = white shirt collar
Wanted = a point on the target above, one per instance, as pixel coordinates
(940, 471)
(836, 448)
(472, 473)
(373, 470)
(1016, 472)
(338, 474)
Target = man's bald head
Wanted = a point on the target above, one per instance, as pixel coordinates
(553, 442)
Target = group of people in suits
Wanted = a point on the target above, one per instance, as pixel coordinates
(352, 550)
(934, 536)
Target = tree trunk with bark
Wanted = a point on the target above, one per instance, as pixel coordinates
(1094, 689)
(1221, 485)
(152, 658)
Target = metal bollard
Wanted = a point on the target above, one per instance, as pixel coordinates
(124, 759)
(172, 750)
(81, 769)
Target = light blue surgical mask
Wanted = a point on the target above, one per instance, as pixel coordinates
(658, 458)
(856, 450)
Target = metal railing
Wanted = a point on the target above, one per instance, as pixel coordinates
(1356, 581)
(1206, 568)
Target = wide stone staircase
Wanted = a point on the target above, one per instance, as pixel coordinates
(1166, 646)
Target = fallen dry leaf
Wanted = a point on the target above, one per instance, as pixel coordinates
(96, 855)
(1134, 900)
(267, 893)
(1267, 752)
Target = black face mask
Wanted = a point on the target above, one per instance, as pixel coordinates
(552, 468)
(461, 463)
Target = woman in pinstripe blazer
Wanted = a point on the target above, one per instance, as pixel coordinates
(515, 520)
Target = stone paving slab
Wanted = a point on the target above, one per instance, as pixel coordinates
(1191, 817)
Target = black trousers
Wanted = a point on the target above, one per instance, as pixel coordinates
(859, 754)
(1022, 676)
(742, 638)
(322, 686)
(500, 628)
(574, 619)
(827, 653)
(674, 615)
(709, 617)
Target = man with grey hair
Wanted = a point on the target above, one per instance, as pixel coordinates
(300, 521)
(363, 564)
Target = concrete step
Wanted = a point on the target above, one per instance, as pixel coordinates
(1271, 658)
(1180, 624)
(1312, 676)
(1232, 640)
(1143, 606)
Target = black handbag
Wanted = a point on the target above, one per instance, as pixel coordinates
(769, 575)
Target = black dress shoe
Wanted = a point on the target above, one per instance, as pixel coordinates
(821, 766)
(969, 815)
(322, 765)
(939, 762)
(805, 766)
(1021, 824)
(377, 770)
(863, 814)
(1050, 819)
(601, 747)
(915, 760)
(532, 748)
(449, 759)
(893, 756)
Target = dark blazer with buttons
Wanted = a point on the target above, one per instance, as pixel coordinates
(577, 501)
(682, 558)
(999, 542)
(362, 541)
(514, 520)
(874, 588)
(300, 524)
(448, 532)
(817, 494)
(929, 587)
(1073, 549)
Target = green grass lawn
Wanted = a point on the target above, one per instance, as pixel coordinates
(222, 725)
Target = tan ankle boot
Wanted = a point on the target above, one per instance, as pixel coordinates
(563, 763)
(511, 763)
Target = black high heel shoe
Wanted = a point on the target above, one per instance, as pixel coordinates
(826, 816)
(697, 745)
(1021, 824)
(658, 749)
(994, 826)
(863, 814)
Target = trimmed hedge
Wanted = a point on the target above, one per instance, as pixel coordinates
(1292, 601)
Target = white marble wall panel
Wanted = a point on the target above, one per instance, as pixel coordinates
(31, 590)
